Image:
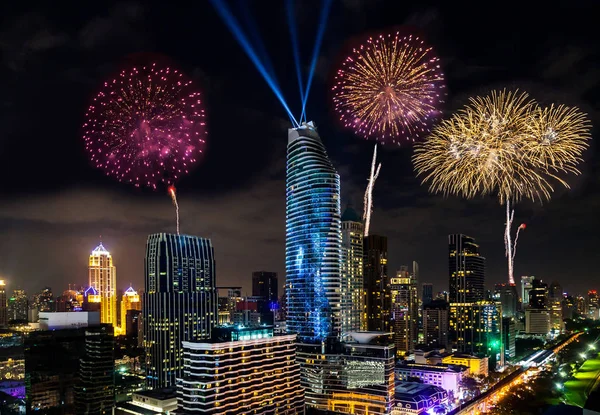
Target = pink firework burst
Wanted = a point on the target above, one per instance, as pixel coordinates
(146, 126)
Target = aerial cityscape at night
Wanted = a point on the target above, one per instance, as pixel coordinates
(299, 207)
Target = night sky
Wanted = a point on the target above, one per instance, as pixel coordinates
(54, 206)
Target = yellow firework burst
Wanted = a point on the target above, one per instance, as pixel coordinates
(390, 88)
(503, 144)
(557, 137)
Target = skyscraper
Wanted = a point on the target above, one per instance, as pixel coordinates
(467, 273)
(265, 290)
(313, 260)
(507, 295)
(525, 287)
(180, 301)
(241, 371)
(103, 277)
(538, 294)
(352, 271)
(466, 270)
(435, 323)
(265, 285)
(405, 311)
(3, 308)
(44, 300)
(130, 301)
(313, 238)
(427, 293)
(18, 305)
(378, 298)
(95, 389)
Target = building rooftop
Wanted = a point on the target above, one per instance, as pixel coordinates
(135, 409)
(350, 215)
(433, 368)
(417, 392)
(160, 394)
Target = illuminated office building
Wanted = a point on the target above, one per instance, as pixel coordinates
(526, 282)
(509, 298)
(44, 300)
(241, 370)
(103, 277)
(70, 370)
(378, 296)
(313, 238)
(405, 311)
(352, 271)
(130, 301)
(593, 308)
(467, 274)
(435, 323)
(3, 308)
(538, 295)
(18, 305)
(363, 382)
(466, 269)
(265, 290)
(477, 329)
(180, 302)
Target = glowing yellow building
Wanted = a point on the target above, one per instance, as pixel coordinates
(130, 301)
(103, 276)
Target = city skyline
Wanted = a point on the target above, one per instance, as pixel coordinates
(49, 245)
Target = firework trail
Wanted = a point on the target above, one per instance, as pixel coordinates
(504, 144)
(390, 88)
(173, 194)
(368, 199)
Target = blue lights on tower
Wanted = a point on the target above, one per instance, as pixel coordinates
(313, 238)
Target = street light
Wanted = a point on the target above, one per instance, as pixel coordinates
(583, 356)
(592, 347)
(559, 386)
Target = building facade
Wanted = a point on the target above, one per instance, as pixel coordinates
(466, 270)
(364, 381)
(95, 389)
(427, 293)
(129, 301)
(247, 370)
(3, 305)
(478, 329)
(405, 311)
(378, 296)
(526, 282)
(313, 238)
(436, 323)
(180, 301)
(103, 278)
(508, 297)
(352, 271)
(447, 377)
(70, 370)
(18, 305)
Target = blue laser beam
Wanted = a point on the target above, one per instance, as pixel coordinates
(322, 24)
(255, 38)
(235, 29)
(295, 47)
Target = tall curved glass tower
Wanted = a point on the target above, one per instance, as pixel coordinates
(313, 238)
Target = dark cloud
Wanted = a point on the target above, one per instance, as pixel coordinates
(123, 23)
(26, 38)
